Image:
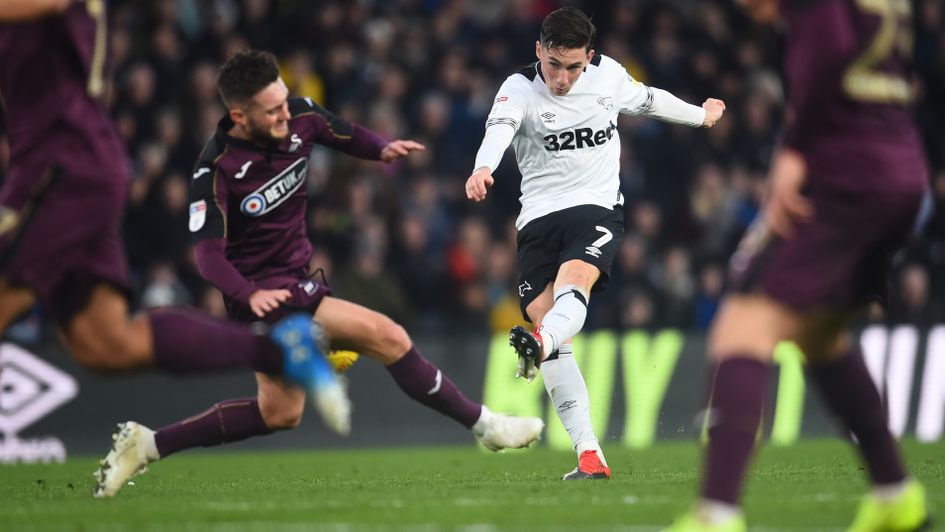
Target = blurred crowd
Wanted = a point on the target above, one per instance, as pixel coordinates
(402, 238)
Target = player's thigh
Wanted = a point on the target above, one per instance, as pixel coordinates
(280, 404)
(750, 325)
(540, 306)
(103, 336)
(351, 326)
(14, 301)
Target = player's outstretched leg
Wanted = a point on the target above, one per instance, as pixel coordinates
(376, 336)
(895, 502)
(427, 384)
(278, 406)
(191, 342)
(134, 446)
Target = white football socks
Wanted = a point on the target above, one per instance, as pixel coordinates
(485, 417)
(565, 319)
(568, 392)
(890, 492)
(712, 512)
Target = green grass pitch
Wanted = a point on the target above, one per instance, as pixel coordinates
(814, 485)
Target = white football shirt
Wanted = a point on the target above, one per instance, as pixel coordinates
(567, 147)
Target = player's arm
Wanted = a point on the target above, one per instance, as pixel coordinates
(508, 111)
(353, 139)
(220, 272)
(494, 143)
(667, 107)
(635, 98)
(208, 231)
(21, 10)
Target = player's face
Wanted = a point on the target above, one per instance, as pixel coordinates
(267, 115)
(561, 67)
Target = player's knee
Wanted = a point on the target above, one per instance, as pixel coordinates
(390, 340)
(281, 415)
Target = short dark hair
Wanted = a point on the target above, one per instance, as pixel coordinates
(569, 28)
(245, 74)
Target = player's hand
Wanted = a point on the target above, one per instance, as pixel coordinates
(713, 111)
(786, 205)
(264, 301)
(478, 183)
(400, 148)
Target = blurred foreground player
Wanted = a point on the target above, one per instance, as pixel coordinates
(247, 215)
(846, 189)
(60, 210)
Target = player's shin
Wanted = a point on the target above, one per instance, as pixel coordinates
(426, 384)
(568, 391)
(225, 422)
(738, 394)
(848, 390)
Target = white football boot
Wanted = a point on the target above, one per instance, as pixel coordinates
(132, 450)
(500, 431)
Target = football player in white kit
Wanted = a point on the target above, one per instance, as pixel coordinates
(560, 116)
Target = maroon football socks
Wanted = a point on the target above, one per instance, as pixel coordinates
(850, 393)
(227, 421)
(187, 341)
(426, 384)
(738, 395)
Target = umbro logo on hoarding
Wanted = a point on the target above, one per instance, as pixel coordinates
(30, 388)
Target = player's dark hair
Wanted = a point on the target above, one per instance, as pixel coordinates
(569, 28)
(245, 74)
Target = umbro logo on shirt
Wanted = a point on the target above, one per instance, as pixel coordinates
(548, 117)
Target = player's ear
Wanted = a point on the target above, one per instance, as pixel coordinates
(538, 49)
(590, 55)
(238, 116)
